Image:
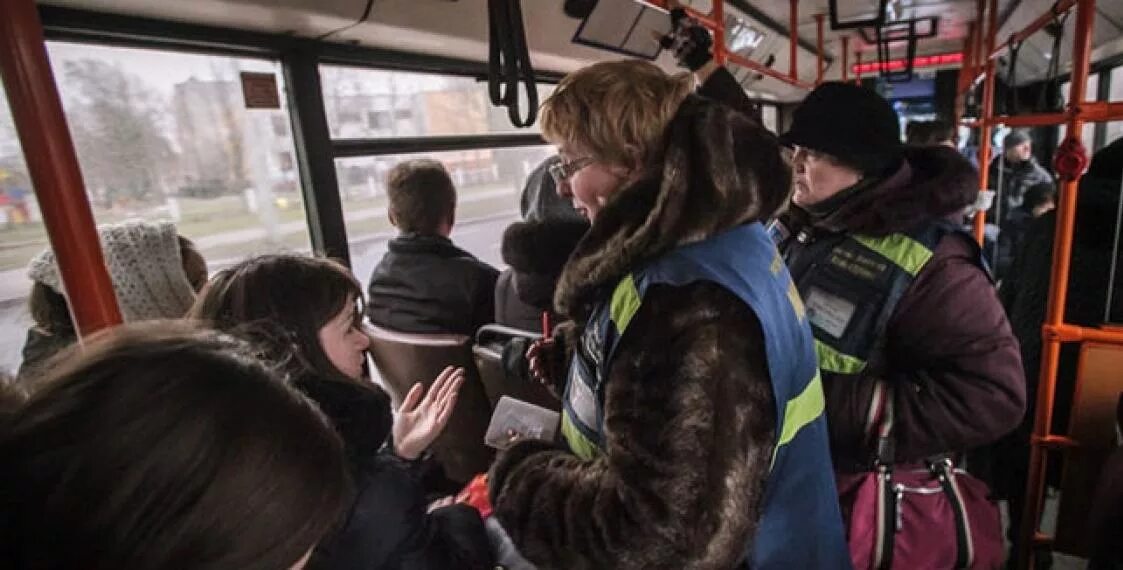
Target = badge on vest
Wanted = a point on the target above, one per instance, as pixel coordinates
(830, 313)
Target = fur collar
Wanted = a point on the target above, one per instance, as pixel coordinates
(932, 183)
(718, 169)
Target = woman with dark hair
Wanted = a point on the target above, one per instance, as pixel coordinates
(309, 310)
(160, 446)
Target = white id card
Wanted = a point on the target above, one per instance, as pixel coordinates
(526, 420)
(828, 312)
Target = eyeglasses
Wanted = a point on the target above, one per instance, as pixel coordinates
(561, 171)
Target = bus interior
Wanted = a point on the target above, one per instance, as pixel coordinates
(269, 125)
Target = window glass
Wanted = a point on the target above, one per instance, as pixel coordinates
(489, 183)
(167, 136)
(1088, 133)
(768, 116)
(1115, 128)
(372, 103)
(21, 237)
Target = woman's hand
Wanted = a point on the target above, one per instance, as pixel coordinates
(421, 419)
(540, 357)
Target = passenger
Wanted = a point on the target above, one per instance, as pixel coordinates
(1018, 170)
(154, 271)
(1039, 199)
(312, 307)
(904, 313)
(1025, 294)
(691, 44)
(425, 284)
(680, 451)
(540, 200)
(160, 447)
(536, 251)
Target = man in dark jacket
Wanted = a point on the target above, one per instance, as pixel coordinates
(425, 284)
(1039, 199)
(1016, 170)
(902, 308)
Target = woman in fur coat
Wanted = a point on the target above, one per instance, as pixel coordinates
(693, 424)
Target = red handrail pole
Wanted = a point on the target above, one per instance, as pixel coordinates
(985, 120)
(49, 152)
(821, 63)
(845, 54)
(793, 40)
(1058, 292)
(858, 67)
(718, 15)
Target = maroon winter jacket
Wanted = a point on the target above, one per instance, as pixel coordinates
(951, 358)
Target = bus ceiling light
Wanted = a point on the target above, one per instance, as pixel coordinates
(917, 62)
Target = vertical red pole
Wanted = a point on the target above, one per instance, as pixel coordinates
(858, 69)
(845, 54)
(793, 37)
(1058, 292)
(718, 15)
(987, 114)
(49, 152)
(821, 63)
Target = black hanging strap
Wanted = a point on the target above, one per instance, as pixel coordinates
(509, 62)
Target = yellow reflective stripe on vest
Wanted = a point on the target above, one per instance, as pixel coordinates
(578, 443)
(801, 411)
(625, 303)
(903, 251)
(831, 360)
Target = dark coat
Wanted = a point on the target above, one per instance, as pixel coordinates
(536, 251)
(689, 410)
(38, 350)
(1016, 179)
(427, 285)
(951, 358)
(387, 526)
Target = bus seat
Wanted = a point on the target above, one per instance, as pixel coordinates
(1093, 425)
(488, 353)
(403, 359)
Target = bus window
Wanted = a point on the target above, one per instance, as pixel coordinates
(1088, 133)
(166, 135)
(370, 103)
(769, 118)
(1115, 128)
(489, 183)
(21, 237)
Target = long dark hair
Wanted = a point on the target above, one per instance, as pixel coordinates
(162, 446)
(287, 298)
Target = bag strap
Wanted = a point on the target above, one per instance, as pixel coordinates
(965, 547)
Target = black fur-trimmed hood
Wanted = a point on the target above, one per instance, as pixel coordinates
(718, 169)
(541, 247)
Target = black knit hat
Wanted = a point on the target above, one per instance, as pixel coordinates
(849, 123)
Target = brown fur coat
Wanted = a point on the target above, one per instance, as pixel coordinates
(689, 411)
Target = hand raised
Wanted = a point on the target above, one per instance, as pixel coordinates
(423, 415)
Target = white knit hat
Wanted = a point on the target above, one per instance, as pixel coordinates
(145, 265)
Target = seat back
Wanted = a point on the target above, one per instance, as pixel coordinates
(1093, 425)
(403, 359)
(488, 352)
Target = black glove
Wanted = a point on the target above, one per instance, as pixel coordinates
(689, 40)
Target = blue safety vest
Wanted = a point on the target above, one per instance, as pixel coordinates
(801, 526)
